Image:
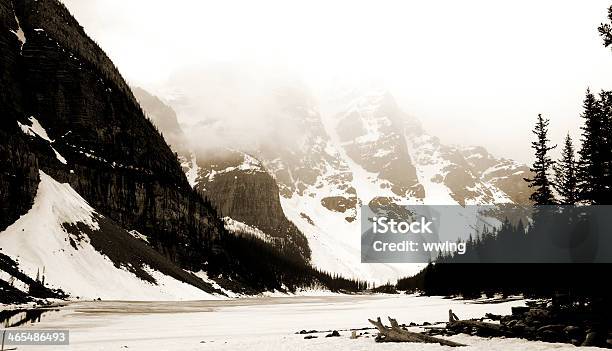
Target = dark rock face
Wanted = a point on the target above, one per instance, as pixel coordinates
(341, 204)
(241, 188)
(338, 203)
(115, 157)
(18, 174)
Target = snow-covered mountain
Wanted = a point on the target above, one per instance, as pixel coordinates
(358, 149)
(369, 152)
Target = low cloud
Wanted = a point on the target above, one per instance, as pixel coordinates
(236, 106)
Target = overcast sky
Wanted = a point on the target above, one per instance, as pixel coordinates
(474, 72)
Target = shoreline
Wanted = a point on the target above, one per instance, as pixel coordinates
(305, 322)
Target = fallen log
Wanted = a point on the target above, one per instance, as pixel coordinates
(397, 334)
(480, 328)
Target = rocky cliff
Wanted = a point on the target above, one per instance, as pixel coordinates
(242, 189)
(54, 74)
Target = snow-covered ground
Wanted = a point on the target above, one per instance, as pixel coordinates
(263, 324)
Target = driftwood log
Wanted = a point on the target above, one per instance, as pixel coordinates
(396, 334)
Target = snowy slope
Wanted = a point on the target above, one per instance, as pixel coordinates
(44, 241)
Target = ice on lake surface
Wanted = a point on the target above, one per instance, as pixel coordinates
(268, 323)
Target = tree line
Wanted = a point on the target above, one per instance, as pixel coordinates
(585, 178)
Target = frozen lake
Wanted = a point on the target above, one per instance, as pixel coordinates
(268, 323)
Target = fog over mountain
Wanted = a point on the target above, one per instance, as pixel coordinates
(486, 68)
(230, 106)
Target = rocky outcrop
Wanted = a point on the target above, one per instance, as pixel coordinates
(504, 174)
(371, 132)
(241, 188)
(340, 204)
(577, 325)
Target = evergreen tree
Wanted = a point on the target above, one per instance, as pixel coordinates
(605, 29)
(606, 147)
(542, 193)
(591, 169)
(566, 182)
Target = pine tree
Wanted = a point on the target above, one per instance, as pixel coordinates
(591, 174)
(542, 193)
(566, 182)
(605, 29)
(606, 148)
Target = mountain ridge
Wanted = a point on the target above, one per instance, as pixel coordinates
(356, 154)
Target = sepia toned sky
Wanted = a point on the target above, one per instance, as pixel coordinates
(474, 72)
